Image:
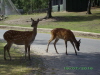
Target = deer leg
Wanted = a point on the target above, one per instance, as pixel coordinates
(8, 49)
(66, 47)
(74, 47)
(49, 43)
(25, 51)
(5, 48)
(29, 52)
(56, 40)
(9, 53)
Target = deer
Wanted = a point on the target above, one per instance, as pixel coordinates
(25, 38)
(66, 35)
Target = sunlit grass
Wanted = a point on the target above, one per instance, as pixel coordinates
(78, 21)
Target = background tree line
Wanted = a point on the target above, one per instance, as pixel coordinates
(30, 5)
(95, 3)
(92, 3)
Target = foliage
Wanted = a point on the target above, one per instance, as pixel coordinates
(30, 5)
(95, 2)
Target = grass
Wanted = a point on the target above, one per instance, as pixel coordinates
(78, 21)
(18, 65)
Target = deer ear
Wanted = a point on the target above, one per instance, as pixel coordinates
(79, 40)
(32, 19)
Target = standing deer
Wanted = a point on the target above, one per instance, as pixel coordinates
(66, 35)
(20, 38)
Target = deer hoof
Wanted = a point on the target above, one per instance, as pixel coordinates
(57, 53)
(46, 51)
(66, 54)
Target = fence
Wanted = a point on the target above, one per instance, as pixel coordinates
(39, 11)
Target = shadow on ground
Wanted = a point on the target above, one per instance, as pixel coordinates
(76, 18)
(87, 60)
(19, 65)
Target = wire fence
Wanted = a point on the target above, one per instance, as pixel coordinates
(40, 10)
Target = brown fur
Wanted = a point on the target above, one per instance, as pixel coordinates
(65, 34)
(62, 33)
(20, 38)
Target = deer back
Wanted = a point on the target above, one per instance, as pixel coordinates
(18, 37)
(62, 33)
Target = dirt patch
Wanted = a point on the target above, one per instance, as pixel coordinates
(18, 21)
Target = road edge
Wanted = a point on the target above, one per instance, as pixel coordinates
(45, 30)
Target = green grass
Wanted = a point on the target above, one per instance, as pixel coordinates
(78, 21)
(18, 65)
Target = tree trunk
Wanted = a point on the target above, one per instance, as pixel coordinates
(93, 3)
(49, 9)
(89, 7)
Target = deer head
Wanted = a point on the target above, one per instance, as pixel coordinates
(78, 44)
(34, 23)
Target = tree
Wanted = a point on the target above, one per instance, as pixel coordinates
(96, 3)
(49, 15)
(49, 9)
(89, 7)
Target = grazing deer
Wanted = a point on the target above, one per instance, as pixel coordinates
(20, 38)
(66, 35)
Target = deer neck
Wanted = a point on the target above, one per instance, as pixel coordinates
(75, 41)
(34, 31)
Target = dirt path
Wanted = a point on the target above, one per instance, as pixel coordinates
(55, 63)
(51, 62)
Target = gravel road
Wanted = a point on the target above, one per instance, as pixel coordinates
(85, 63)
